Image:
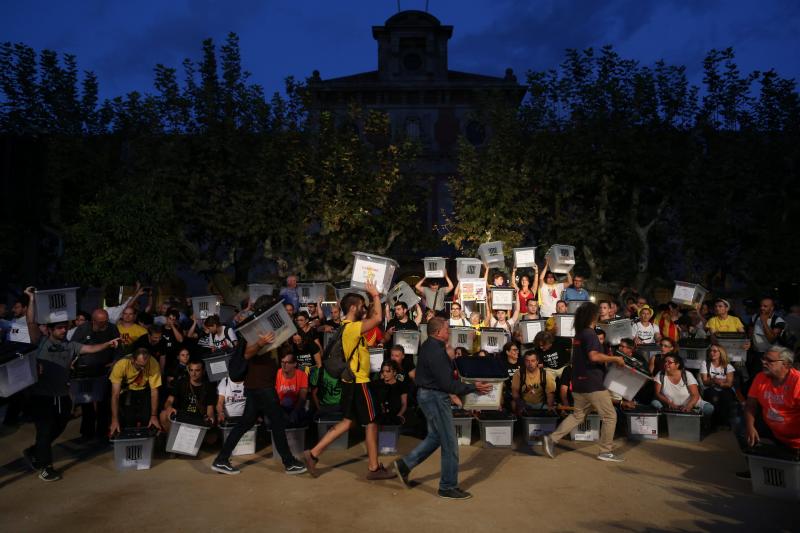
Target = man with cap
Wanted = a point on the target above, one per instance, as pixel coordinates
(644, 331)
(722, 322)
(50, 402)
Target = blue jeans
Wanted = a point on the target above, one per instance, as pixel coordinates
(436, 407)
(706, 410)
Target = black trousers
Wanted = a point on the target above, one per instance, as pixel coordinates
(260, 402)
(96, 417)
(724, 402)
(134, 408)
(50, 416)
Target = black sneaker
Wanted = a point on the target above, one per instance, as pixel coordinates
(295, 467)
(49, 473)
(224, 467)
(454, 494)
(744, 474)
(30, 458)
(402, 472)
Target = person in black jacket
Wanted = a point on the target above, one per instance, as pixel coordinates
(436, 381)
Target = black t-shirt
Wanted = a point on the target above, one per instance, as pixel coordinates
(172, 346)
(156, 350)
(388, 397)
(308, 336)
(557, 356)
(566, 380)
(94, 364)
(193, 399)
(586, 375)
(408, 325)
(305, 353)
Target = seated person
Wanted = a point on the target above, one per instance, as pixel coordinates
(291, 386)
(390, 395)
(306, 352)
(326, 392)
(216, 337)
(553, 352)
(532, 387)
(561, 309)
(677, 389)
(722, 322)
(460, 351)
(405, 365)
(135, 380)
(193, 398)
(644, 331)
(717, 375)
(180, 368)
(230, 399)
(627, 348)
(772, 411)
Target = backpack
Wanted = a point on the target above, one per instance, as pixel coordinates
(542, 381)
(237, 364)
(334, 361)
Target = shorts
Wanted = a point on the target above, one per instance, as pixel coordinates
(357, 403)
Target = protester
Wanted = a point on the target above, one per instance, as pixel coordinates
(436, 384)
(532, 387)
(129, 329)
(50, 402)
(289, 293)
(357, 402)
(668, 322)
(552, 352)
(216, 337)
(587, 385)
(656, 362)
(306, 351)
(135, 380)
(723, 322)
(391, 395)
(154, 343)
(772, 411)
(644, 331)
(434, 293)
(677, 389)
(230, 400)
(401, 321)
(765, 331)
(524, 290)
(291, 385)
(193, 398)
(261, 400)
(550, 291)
(179, 368)
(456, 317)
(576, 292)
(717, 375)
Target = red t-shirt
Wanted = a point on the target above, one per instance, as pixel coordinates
(780, 406)
(288, 389)
(523, 301)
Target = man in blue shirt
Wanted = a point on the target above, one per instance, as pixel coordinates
(289, 293)
(576, 290)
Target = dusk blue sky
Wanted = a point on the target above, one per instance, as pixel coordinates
(123, 41)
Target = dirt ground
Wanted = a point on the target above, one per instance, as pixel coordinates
(663, 486)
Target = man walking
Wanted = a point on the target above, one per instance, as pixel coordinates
(357, 401)
(435, 382)
(587, 385)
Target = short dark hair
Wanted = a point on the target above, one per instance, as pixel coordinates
(173, 312)
(351, 299)
(398, 348)
(195, 362)
(402, 304)
(435, 324)
(213, 320)
(303, 314)
(528, 353)
(391, 364)
(155, 328)
(627, 342)
(544, 337)
(291, 355)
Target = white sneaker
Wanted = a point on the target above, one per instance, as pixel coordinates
(610, 457)
(549, 446)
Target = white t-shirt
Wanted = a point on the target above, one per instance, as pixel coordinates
(760, 341)
(459, 322)
(508, 326)
(234, 397)
(548, 296)
(647, 334)
(716, 372)
(19, 330)
(678, 394)
(222, 340)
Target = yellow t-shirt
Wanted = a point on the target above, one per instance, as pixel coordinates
(124, 371)
(532, 391)
(730, 325)
(129, 334)
(359, 364)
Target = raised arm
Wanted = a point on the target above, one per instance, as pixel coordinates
(374, 319)
(449, 283)
(418, 314)
(514, 279)
(419, 286)
(569, 279)
(535, 287)
(544, 270)
(30, 317)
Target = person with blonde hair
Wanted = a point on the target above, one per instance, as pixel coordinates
(717, 375)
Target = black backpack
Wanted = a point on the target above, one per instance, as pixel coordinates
(334, 361)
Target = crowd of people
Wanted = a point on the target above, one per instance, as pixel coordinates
(151, 360)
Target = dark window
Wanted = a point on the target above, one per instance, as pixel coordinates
(476, 133)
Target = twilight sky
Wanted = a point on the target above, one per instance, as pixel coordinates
(123, 41)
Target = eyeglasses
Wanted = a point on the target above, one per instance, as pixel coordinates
(668, 362)
(768, 361)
